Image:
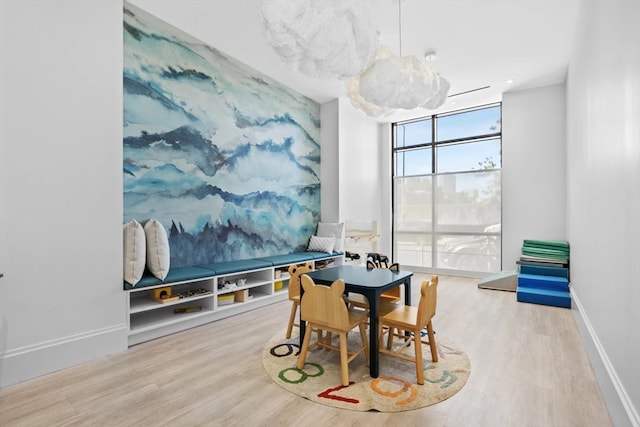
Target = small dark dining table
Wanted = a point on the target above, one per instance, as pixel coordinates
(371, 283)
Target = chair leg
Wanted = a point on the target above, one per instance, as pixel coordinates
(305, 346)
(432, 342)
(392, 331)
(417, 342)
(365, 342)
(292, 318)
(319, 337)
(324, 339)
(344, 359)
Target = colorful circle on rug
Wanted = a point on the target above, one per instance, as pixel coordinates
(395, 390)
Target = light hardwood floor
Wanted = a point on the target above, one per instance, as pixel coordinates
(528, 368)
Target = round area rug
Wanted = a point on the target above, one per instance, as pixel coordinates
(394, 390)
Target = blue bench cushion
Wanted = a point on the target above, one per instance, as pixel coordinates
(320, 255)
(181, 274)
(285, 259)
(178, 274)
(226, 267)
(297, 257)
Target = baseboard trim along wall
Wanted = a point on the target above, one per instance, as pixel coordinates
(620, 407)
(30, 362)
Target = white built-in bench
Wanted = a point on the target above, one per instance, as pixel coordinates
(202, 296)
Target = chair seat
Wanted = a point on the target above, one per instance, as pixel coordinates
(355, 317)
(360, 301)
(357, 300)
(401, 316)
(385, 307)
(390, 298)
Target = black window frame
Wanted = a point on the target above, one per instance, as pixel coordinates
(433, 145)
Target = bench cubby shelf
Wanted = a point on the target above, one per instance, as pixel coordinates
(205, 298)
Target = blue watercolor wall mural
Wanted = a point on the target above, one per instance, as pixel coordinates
(225, 157)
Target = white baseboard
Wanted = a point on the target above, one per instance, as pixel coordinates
(30, 362)
(621, 409)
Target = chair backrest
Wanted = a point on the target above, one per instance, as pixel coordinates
(295, 271)
(428, 301)
(324, 305)
(393, 292)
(393, 267)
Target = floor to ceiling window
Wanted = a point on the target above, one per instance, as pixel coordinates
(447, 191)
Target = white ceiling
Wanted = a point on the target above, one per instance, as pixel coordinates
(479, 42)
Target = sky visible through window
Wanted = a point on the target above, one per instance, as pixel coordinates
(455, 157)
(462, 125)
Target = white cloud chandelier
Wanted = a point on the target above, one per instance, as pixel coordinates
(325, 39)
(335, 39)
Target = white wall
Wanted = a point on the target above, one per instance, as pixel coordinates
(330, 161)
(361, 171)
(533, 169)
(386, 222)
(61, 298)
(603, 197)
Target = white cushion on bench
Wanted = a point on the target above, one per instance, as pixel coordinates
(332, 229)
(158, 255)
(135, 252)
(321, 244)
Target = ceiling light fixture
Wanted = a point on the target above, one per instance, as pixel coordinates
(331, 39)
(430, 56)
(335, 39)
(398, 82)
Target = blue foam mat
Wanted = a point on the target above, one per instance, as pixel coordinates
(545, 271)
(543, 282)
(543, 297)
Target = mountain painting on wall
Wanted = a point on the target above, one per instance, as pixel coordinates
(227, 159)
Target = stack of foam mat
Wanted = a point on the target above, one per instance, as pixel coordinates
(544, 273)
(550, 253)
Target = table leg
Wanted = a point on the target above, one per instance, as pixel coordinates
(407, 291)
(303, 325)
(373, 336)
(407, 299)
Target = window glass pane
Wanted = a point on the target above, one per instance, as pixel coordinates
(413, 221)
(469, 252)
(469, 156)
(468, 202)
(468, 124)
(413, 249)
(414, 133)
(413, 201)
(413, 162)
